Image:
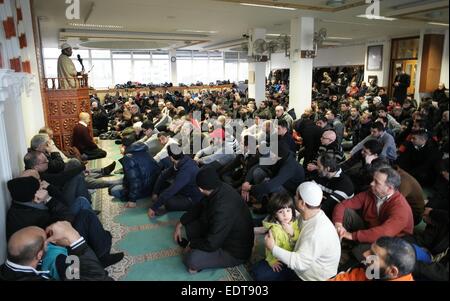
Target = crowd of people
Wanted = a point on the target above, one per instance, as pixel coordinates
(331, 188)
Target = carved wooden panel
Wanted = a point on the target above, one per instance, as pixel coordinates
(69, 107)
(62, 110)
(55, 125)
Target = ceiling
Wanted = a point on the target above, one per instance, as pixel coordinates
(221, 24)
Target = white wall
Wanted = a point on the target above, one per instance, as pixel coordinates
(327, 57)
(445, 62)
(32, 107)
(340, 56)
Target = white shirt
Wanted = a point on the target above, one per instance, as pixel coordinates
(317, 252)
(83, 123)
(381, 201)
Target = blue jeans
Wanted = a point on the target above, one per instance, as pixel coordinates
(79, 204)
(117, 191)
(262, 271)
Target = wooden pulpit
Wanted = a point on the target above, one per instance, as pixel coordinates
(62, 107)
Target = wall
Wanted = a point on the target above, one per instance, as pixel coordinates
(20, 101)
(383, 74)
(445, 62)
(336, 56)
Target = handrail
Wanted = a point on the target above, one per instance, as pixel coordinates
(64, 83)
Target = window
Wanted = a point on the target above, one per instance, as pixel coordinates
(184, 71)
(200, 71)
(122, 71)
(51, 68)
(243, 71)
(144, 55)
(160, 71)
(101, 75)
(51, 53)
(231, 71)
(158, 55)
(142, 71)
(121, 55)
(215, 70)
(100, 54)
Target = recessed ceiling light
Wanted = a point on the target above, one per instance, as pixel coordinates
(374, 17)
(438, 24)
(197, 31)
(339, 38)
(95, 25)
(268, 6)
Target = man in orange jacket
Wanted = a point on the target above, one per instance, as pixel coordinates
(389, 259)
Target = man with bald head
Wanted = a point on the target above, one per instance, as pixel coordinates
(82, 139)
(328, 145)
(28, 246)
(281, 114)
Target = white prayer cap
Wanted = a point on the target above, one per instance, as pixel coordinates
(310, 193)
(65, 46)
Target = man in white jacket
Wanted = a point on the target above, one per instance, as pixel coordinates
(318, 250)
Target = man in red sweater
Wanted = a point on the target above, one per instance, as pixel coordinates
(384, 212)
(83, 141)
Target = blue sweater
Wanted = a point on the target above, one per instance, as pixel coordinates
(184, 175)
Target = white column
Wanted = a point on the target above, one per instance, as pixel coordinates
(444, 67)
(173, 66)
(419, 68)
(302, 38)
(256, 70)
(5, 176)
(32, 105)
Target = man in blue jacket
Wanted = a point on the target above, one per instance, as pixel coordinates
(183, 192)
(140, 174)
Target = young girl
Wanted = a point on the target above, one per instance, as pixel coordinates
(283, 224)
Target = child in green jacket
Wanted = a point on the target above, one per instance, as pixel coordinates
(283, 223)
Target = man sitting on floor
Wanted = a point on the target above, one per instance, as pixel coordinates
(182, 194)
(385, 212)
(27, 247)
(394, 257)
(83, 141)
(219, 229)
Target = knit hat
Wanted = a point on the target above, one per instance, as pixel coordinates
(23, 189)
(310, 193)
(208, 179)
(65, 46)
(174, 151)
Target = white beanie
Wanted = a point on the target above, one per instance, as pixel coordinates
(310, 193)
(65, 46)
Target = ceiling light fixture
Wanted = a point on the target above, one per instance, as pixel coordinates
(197, 31)
(438, 24)
(339, 38)
(374, 17)
(95, 26)
(268, 6)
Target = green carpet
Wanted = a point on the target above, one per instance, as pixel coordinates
(150, 252)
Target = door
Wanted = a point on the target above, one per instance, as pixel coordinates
(410, 68)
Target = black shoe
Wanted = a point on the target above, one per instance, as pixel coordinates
(106, 171)
(111, 259)
(183, 243)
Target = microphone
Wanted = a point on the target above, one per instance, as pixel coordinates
(80, 60)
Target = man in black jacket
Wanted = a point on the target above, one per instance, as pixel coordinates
(401, 84)
(26, 249)
(421, 158)
(219, 229)
(32, 206)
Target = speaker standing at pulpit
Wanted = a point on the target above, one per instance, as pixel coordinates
(67, 73)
